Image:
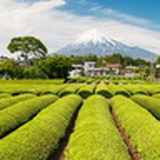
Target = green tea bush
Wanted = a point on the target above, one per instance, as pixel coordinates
(12, 117)
(6, 102)
(142, 128)
(95, 135)
(150, 103)
(86, 91)
(39, 138)
(104, 90)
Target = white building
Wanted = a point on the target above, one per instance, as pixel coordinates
(88, 69)
(129, 71)
(77, 70)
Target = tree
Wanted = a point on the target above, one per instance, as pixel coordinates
(11, 69)
(28, 46)
(158, 60)
(56, 66)
(114, 58)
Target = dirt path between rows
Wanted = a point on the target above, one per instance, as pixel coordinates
(125, 137)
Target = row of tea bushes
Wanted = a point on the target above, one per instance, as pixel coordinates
(4, 95)
(86, 91)
(104, 90)
(150, 103)
(110, 90)
(8, 101)
(136, 89)
(156, 96)
(12, 117)
(39, 138)
(70, 89)
(142, 128)
(95, 135)
(38, 89)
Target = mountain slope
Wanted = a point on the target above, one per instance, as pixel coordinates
(96, 43)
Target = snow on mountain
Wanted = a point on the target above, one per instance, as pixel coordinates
(95, 42)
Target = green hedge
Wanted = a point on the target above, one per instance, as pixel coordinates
(12, 100)
(104, 90)
(156, 96)
(86, 91)
(136, 89)
(116, 90)
(95, 136)
(71, 89)
(142, 128)
(39, 138)
(150, 103)
(12, 117)
(4, 95)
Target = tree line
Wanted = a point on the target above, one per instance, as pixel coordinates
(34, 62)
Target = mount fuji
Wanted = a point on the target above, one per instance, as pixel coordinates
(95, 42)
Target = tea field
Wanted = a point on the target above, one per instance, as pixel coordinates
(83, 119)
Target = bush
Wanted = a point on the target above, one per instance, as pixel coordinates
(104, 90)
(6, 102)
(95, 135)
(150, 103)
(39, 138)
(86, 91)
(12, 117)
(142, 128)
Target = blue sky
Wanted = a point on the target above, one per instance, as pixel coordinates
(142, 10)
(59, 22)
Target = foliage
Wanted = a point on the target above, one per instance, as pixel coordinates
(86, 91)
(158, 60)
(5, 95)
(95, 136)
(9, 101)
(27, 46)
(10, 69)
(150, 103)
(14, 116)
(70, 89)
(104, 90)
(34, 73)
(56, 66)
(40, 137)
(142, 128)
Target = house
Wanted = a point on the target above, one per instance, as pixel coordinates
(129, 71)
(89, 69)
(77, 70)
(114, 68)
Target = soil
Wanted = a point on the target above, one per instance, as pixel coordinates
(135, 155)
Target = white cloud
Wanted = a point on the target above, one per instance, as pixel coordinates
(58, 28)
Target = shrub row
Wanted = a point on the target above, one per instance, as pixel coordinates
(72, 88)
(142, 128)
(4, 95)
(104, 90)
(95, 136)
(150, 103)
(115, 89)
(5, 102)
(12, 117)
(156, 96)
(39, 138)
(109, 90)
(136, 89)
(86, 91)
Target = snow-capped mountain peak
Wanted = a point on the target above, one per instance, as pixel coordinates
(94, 36)
(95, 42)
